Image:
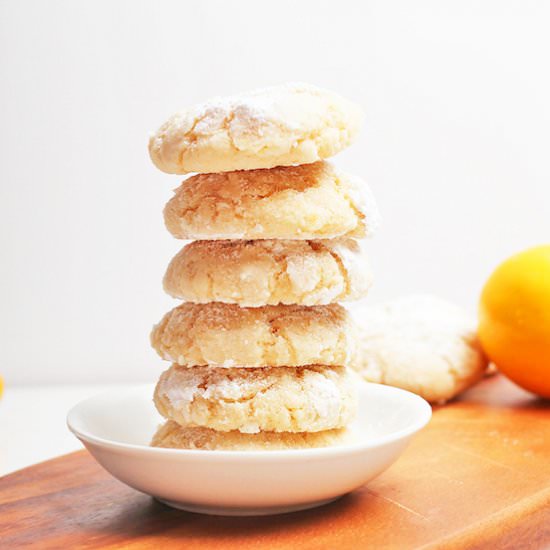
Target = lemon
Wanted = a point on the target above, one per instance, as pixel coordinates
(514, 319)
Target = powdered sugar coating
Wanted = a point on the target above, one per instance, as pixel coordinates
(363, 199)
(354, 261)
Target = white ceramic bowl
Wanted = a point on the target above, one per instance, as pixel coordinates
(116, 428)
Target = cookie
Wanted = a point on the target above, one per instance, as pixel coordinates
(269, 272)
(277, 126)
(312, 201)
(172, 435)
(269, 399)
(226, 335)
(419, 343)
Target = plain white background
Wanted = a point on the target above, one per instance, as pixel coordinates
(455, 147)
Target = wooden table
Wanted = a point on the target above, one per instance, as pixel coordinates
(477, 477)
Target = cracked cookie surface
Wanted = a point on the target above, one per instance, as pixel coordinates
(226, 335)
(273, 399)
(269, 272)
(311, 201)
(276, 126)
(172, 435)
(419, 343)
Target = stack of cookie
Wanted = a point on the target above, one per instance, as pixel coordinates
(259, 346)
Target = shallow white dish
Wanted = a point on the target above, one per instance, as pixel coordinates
(116, 428)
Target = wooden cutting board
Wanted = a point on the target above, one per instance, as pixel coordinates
(478, 476)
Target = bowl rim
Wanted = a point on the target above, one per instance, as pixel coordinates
(423, 416)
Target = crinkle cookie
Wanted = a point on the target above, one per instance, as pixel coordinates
(269, 272)
(419, 343)
(276, 126)
(226, 335)
(172, 435)
(269, 399)
(311, 201)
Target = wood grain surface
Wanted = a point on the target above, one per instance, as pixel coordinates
(477, 477)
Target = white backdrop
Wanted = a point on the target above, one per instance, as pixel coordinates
(456, 149)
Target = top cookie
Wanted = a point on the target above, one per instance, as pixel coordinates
(276, 126)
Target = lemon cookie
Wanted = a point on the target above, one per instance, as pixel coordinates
(419, 343)
(277, 126)
(269, 272)
(312, 201)
(226, 335)
(272, 399)
(172, 435)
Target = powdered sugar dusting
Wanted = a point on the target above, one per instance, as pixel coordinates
(364, 201)
(250, 111)
(355, 262)
(326, 397)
